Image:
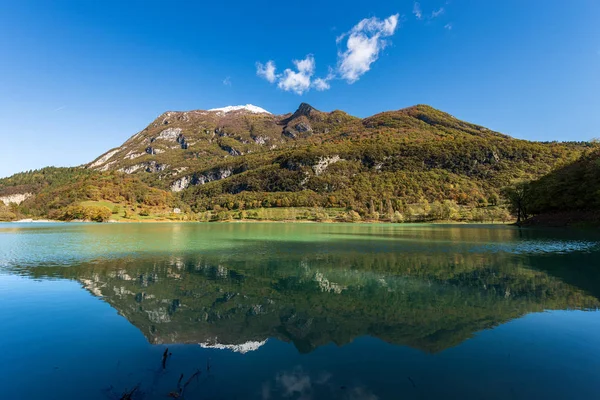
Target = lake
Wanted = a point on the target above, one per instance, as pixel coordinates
(298, 311)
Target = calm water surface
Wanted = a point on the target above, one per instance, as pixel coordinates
(302, 311)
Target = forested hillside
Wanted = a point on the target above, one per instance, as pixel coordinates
(414, 164)
(70, 193)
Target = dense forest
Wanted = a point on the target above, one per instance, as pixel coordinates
(414, 164)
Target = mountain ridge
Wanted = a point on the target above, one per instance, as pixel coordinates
(260, 129)
(390, 165)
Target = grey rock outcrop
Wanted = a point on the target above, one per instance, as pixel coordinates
(180, 184)
(303, 127)
(323, 163)
(17, 198)
(201, 179)
(169, 134)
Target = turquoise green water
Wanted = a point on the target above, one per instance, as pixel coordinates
(298, 311)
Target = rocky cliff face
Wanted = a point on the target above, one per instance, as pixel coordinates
(15, 198)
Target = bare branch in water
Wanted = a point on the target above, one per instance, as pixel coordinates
(194, 375)
(164, 358)
(129, 395)
(177, 394)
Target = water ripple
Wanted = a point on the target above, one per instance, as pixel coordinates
(539, 247)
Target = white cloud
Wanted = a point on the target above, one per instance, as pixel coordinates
(417, 11)
(363, 44)
(266, 71)
(448, 26)
(298, 81)
(365, 41)
(227, 81)
(306, 66)
(437, 13)
(321, 84)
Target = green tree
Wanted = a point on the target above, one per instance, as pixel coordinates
(352, 216)
(518, 199)
(100, 214)
(397, 217)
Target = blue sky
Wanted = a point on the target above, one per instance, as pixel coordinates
(80, 77)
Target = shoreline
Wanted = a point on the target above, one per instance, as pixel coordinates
(33, 221)
(564, 219)
(532, 223)
(244, 221)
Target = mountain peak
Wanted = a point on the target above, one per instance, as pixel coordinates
(248, 107)
(304, 109)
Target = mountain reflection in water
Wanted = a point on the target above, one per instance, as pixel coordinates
(430, 300)
(268, 311)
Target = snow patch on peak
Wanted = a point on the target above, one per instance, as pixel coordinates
(248, 107)
(238, 348)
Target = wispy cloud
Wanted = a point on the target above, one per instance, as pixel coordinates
(59, 108)
(364, 42)
(437, 13)
(321, 84)
(227, 81)
(448, 26)
(266, 71)
(417, 10)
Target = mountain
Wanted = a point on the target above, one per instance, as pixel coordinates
(414, 153)
(182, 148)
(416, 163)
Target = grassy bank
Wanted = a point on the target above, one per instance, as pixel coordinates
(107, 211)
(416, 213)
